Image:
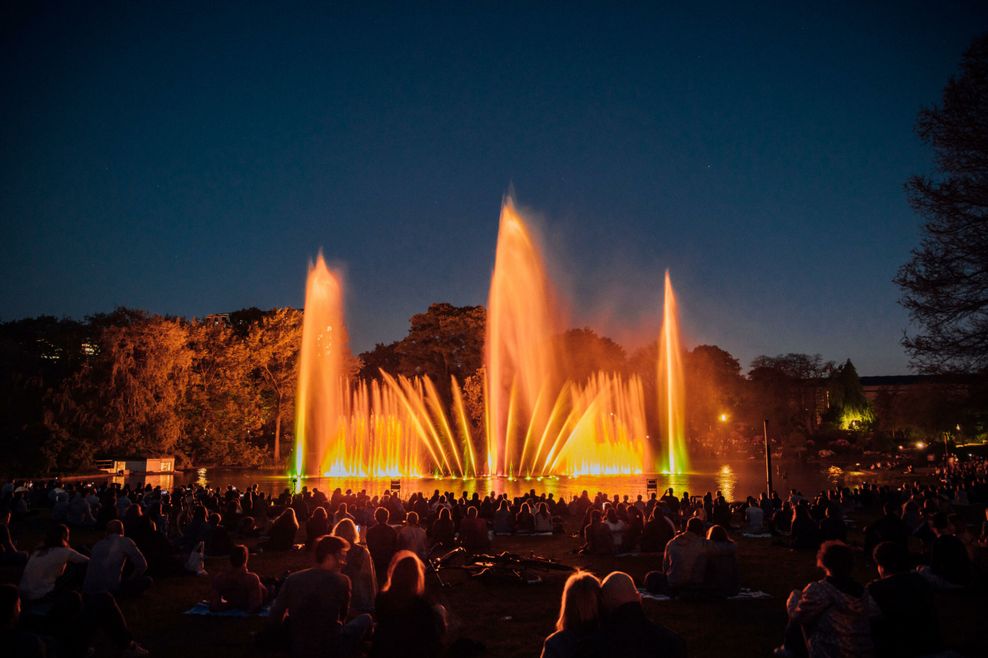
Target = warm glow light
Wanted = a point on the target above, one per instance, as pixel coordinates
(535, 424)
(920, 445)
(723, 418)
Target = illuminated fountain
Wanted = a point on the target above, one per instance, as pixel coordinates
(536, 424)
(670, 387)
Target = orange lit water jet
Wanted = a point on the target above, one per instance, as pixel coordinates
(535, 423)
(670, 386)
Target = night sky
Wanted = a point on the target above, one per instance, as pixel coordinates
(193, 160)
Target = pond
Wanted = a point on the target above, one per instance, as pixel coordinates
(736, 478)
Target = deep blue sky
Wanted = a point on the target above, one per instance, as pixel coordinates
(190, 161)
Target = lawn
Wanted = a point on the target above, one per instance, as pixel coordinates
(513, 619)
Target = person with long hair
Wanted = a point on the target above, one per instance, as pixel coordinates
(443, 531)
(359, 568)
(281, 534)
(47, 564)
(579, 618)
(407, 623)
(543, 519)
(316, 527)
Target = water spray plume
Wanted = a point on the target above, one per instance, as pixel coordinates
(535, 422)
(670, 386)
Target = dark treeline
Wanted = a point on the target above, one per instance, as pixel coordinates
(219, 390)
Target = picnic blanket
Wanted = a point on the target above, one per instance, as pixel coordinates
(743, 595)
(201, 609)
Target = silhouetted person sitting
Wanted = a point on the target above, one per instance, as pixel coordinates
(579, 619)
(504, 520)
(408, 625)
(890, 527)
(15, 641)
(382, 540)
(316, 527)
(9, 555)
(657, 533)
(722, 563)
(832, 526)
(107, 560)
(312, 605)
(47, 564)
(626, 632)
(443, 531)
(238, 588)
(473, 532)
(908, 624)
(950, 565)
(281, 534)
(684, 565)
(805, 532)
(359, 568)
(524, 520)
(412, 537)
(832, 615)
(597, 537)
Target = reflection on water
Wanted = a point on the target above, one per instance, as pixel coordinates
(735, 478)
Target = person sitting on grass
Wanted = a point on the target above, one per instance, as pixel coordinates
(950, 564)
(615, 526)
(684, 564)
(626, 632)
(107, 560)
(579, 619)
(832, 616)
(525, 520)
(359, 568)
(722, 563)
(474, 535)
(504, 520)
(542, 519)
(597, 538)
(804, 533)
(382, 540)
(407, 623)
(281, 534)
(316, 526)
(890, 527)
(754, 518)
(412, 537)
(312, 606)
(657, 533)
(908, 624)
(217, 538)
(832, 526)
(237, 588)
(9, 555)
(14, 640)
(443, 531)
(47, 565)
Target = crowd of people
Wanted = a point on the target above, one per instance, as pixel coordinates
(366, 593)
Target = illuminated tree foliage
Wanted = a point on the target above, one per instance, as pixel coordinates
(945, 284)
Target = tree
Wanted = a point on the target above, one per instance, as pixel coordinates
(273, 345)
(445, 340)
(792, 379)
(584, 353)
(127, 399)
(713, 386)
(945, 284)
(849, 407)
(224, 404)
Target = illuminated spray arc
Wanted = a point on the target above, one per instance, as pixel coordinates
(535, 423)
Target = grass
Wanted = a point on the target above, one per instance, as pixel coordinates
(513, 620)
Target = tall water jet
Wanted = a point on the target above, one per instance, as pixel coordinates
(319, 402)
(670, 386)
(519, 354)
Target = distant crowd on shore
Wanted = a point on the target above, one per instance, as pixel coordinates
(366, 592)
